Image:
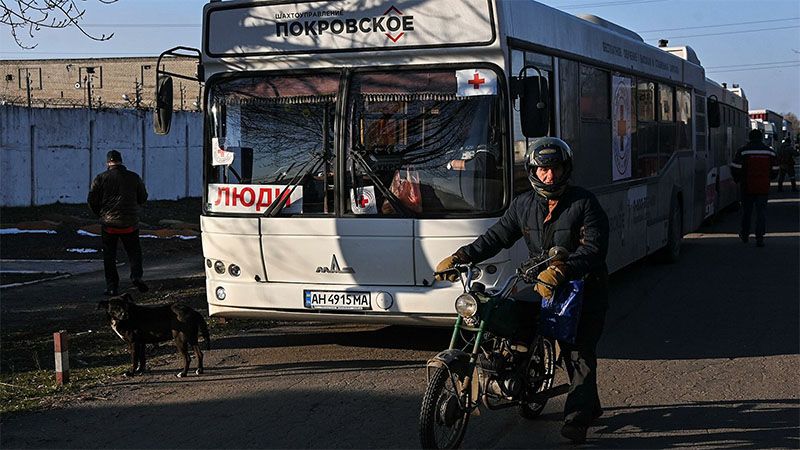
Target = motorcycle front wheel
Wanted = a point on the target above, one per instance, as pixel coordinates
(540, 377)
(442, 421)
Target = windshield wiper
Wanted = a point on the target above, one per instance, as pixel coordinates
(398, 206)
(277, 206)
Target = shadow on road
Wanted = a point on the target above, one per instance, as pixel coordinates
(387, 337)
(225, 372)
(741, 424)
(724, 299)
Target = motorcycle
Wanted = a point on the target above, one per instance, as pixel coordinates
(487, 362)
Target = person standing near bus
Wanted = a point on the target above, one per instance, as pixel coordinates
(116, 196)
(753, 166)
(555, 213)
(786, 154)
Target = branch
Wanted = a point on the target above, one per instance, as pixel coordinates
(37, 14)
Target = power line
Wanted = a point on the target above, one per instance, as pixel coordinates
(719, 25)
(725, 32)
(143, 25)
(616, 3)
(106, 54)
(754, 64)
(756, 68)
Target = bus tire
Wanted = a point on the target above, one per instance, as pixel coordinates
(671, 252)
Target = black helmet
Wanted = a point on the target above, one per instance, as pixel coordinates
(548, 152)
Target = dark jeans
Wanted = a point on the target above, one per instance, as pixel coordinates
(583, 402)
(131, 243)
(787, 170)
(760, 203)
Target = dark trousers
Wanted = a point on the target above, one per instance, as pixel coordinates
(130, 241)
(760, 203)
(787, 170)
(583, 402)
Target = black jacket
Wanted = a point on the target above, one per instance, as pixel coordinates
(579, 224)
(116, 196)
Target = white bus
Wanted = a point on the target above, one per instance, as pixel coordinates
(350, 145)
(730, 134)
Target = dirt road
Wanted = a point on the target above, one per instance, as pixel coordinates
(704, 353)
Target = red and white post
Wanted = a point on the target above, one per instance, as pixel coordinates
(61, 343)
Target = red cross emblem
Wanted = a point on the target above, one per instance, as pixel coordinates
(363, 201)
(477, 81)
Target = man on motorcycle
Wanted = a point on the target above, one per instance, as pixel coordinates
(557, 214)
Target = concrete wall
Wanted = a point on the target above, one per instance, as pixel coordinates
(52, 155)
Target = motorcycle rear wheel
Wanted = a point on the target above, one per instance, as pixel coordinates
(442, 422)
(540, 376)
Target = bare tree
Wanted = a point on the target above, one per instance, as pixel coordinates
(32, 15)
(791, 117)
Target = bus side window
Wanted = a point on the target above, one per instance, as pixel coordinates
(593, 159)
(666, 124)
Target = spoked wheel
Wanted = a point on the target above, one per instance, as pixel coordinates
(442, 422)
(541, 373)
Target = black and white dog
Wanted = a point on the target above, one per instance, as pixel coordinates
(141, 325)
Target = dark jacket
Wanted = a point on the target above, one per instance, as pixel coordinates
(579, 224)
(116, 195)
(754, 164)
(786, 154)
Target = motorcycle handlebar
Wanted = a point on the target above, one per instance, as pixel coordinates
(458, 268)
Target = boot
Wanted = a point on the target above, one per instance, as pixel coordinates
(574, 432)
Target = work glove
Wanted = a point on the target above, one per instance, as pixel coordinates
(553, 277)
(445, 264)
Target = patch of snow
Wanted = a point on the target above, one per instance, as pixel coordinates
(150, 236)
(18, 231)
(86, 233)
(82, 250)
(185, 238)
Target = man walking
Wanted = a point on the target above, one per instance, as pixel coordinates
(115, 196)
(753, 166)
(786, 154)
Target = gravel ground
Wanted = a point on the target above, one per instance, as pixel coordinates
(159, 218)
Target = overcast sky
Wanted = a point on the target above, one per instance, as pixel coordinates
(753, 43)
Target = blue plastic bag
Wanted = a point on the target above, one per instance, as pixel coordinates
(560, 314)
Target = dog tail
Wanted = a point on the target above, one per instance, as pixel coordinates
(204, 331)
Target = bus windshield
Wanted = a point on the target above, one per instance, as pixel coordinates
(419, 148)
(413, 146)
(278, 130)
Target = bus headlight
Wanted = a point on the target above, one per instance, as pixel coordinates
(466, 305)
(220, 293)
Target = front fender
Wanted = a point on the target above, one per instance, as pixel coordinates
(453, 360)
(457, 362)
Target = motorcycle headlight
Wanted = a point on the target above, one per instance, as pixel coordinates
(466, 305)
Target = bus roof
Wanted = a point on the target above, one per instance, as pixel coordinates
(729, 96)
(270, 34)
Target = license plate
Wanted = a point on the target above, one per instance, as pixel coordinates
(336, 300)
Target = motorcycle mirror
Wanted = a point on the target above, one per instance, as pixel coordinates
(558, 253)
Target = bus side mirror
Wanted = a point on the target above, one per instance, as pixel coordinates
(712, 111)
(534, 96)
(162, 115)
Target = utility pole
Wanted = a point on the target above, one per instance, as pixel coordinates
(138, 93)
(28, 85)
(89, 89)
(183, 92)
